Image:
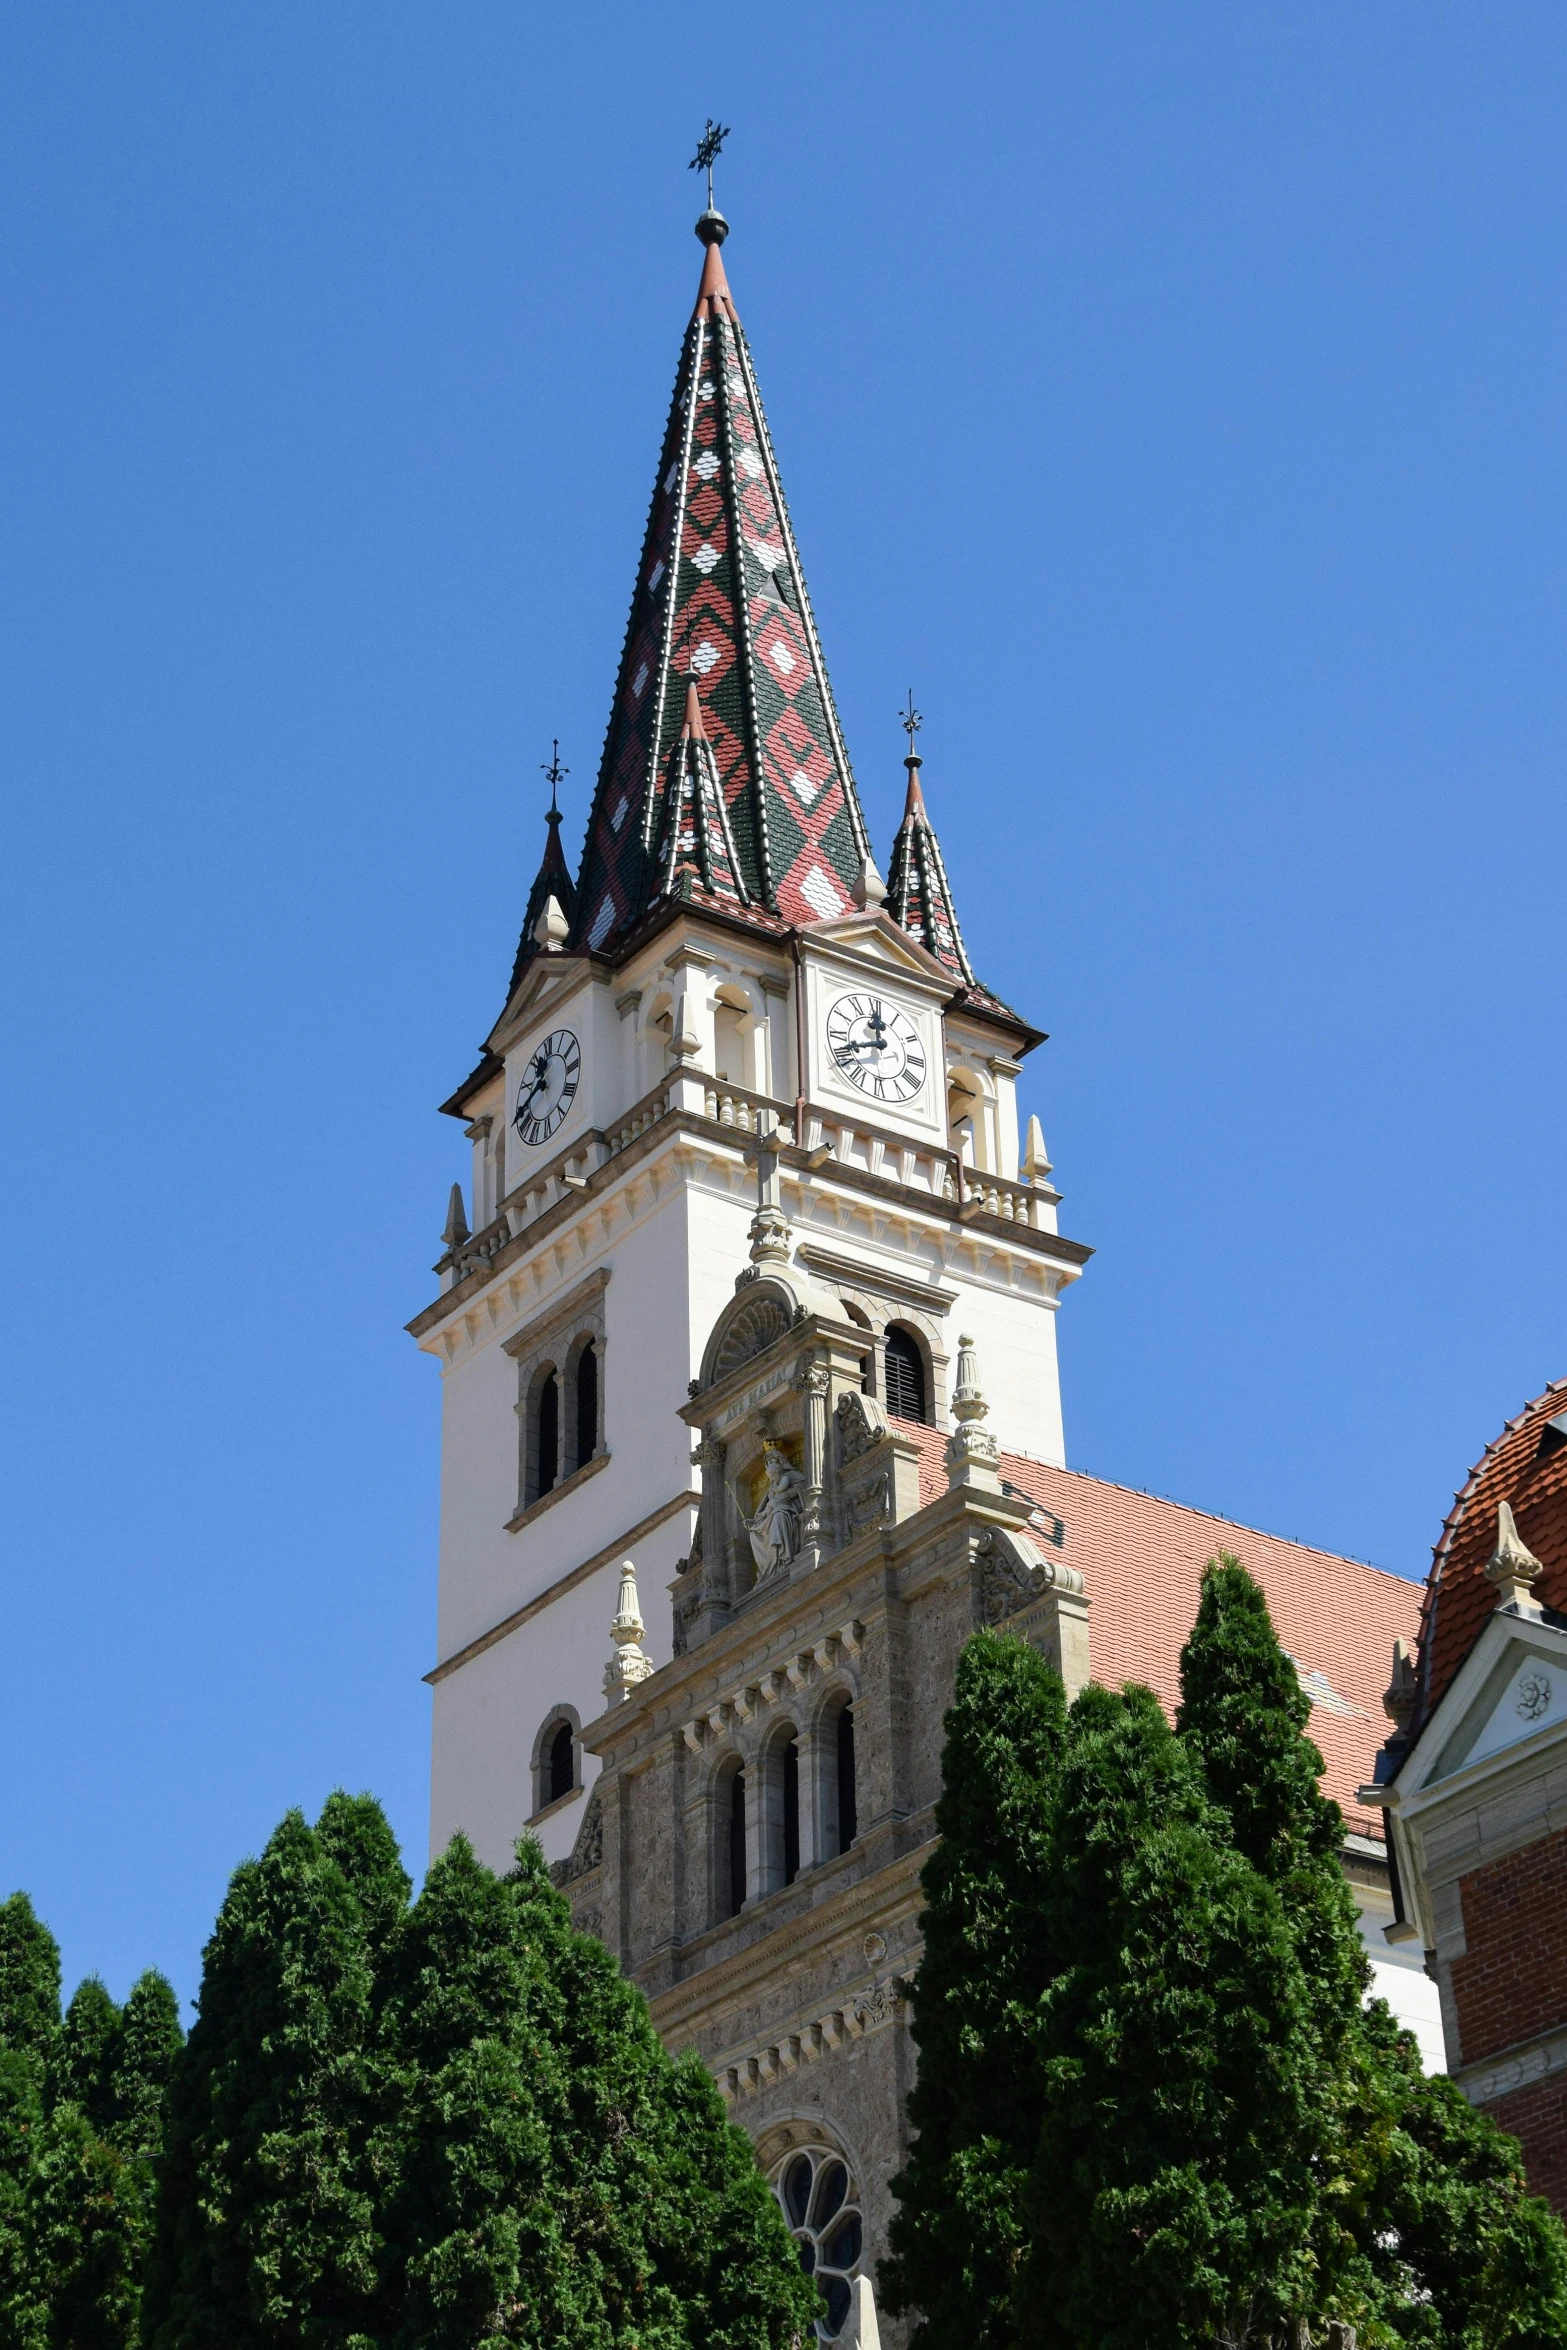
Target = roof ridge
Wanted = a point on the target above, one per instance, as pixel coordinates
(1196, 1510)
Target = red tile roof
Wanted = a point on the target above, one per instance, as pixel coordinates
(1458, 1595)
(1142, 1558)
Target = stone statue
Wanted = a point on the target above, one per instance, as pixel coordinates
(775, 1529)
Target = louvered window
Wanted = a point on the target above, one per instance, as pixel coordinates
(905, 1376)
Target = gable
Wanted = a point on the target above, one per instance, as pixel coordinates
(1517, 1689)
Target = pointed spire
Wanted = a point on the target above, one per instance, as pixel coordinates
(919, 898)
(456, 1228)
(1036, 1159)
(1513, 1566)
(697, 849)
(551, 882)
(720, 617)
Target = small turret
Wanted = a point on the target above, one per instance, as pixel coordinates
(919, 898)
(552, 886)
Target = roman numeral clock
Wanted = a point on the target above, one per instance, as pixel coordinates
(548, 1087)
(877, 1047)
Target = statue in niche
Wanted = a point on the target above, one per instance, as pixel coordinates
(775, 1529)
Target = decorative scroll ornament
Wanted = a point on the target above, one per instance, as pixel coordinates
(628, 1666)
(861, 1423)
(1012, 1576)
(1513, 1566)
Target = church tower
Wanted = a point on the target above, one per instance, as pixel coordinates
(751, 1412)
(727, 971)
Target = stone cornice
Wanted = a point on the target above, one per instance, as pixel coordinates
(564, 1583)
(948, 1216)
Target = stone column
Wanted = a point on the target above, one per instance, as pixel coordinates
(813, 1384)
(715, 1535)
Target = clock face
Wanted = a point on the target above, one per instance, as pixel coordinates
(549, 1086)
(877, 1047)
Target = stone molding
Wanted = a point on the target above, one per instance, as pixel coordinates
(546, 1501)
(898, 1288)
(564, 1583)
(1516, 2068)
(668, 1126)
(859, 2013)
(744, 1702)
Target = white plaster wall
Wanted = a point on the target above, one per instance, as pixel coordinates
(487, 1714)
(1399, 1977)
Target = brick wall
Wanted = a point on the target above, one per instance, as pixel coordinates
(1538, 2117)
(1512, 1982)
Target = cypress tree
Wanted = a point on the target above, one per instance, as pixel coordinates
(557, 2179)
(1244, 1715)
(1425, 2228)
(84, 2054)
(960, 2227)
(265, 2229)
(1173, 2193)
(29, 2034)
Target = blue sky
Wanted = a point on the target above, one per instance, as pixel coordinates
(1172, 396)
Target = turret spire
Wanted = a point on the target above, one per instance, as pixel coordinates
(919, 898)
(720, 619)
(553, 879)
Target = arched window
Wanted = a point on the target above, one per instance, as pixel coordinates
(822, 2208)
(905, 1375)
(848, 1808)
(735, 1825)
(780, 1810)
(587, 1404)
(548, 1435)
(562, 1774)
(557, 1770)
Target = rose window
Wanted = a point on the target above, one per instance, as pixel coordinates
(822, 2209)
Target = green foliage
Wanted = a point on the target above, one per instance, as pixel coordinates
(961, 2224)
(265, 2226)
(445, 2125)
(1144, 1987)
(1243, 1715)
(1172, 2192)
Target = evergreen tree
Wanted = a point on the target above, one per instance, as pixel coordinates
(81, 2073)
(29, 2033)
(558, 2181)
(1425, 2228)
(960, 2227)
(265, 2228)
(1172, 2197)
(1244, 1716)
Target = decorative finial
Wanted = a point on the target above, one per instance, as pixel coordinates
(628, 1666)
(551, 930)
(1398, 1700)
(772, 1236)
(456, 1231)
(911, 721)
(973, 1455)
(555, 775)
(869, 888)
(706, 156)
(1513, 1566)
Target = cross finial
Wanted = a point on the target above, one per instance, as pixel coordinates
(911, 722)
(554, 773)
(706, 154)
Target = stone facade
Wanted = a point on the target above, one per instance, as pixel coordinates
(794, 1996)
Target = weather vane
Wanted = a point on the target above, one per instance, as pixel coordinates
(910, 721)
(555, 773)
(707, 153)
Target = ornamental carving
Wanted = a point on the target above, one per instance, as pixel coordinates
(753, 1330)
(1012, 1576)
(1534, 1696)
(861, 1423)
